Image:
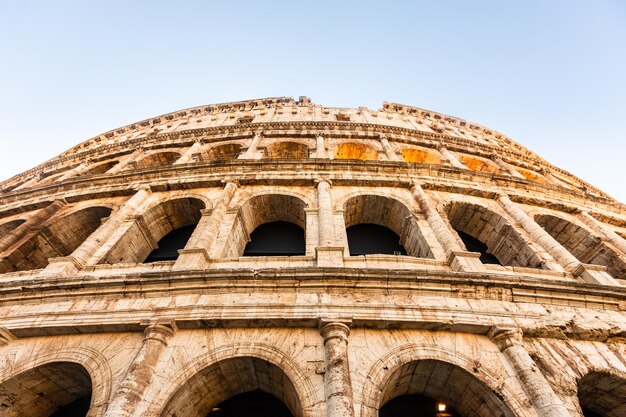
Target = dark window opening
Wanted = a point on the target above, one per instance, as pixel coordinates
(168, 246)
(474, 245)
(76, 408)
(589, 413)
(276, 239)
(251, 404)
(371, 239)
(416, 405)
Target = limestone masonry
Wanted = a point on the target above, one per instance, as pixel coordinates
(233, 255)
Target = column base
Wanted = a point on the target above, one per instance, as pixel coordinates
(594, 274)
(62, 267)
(195, 258)
(463, 261)
(329, 256)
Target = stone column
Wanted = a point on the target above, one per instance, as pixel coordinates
(31, 225)
(598, 226)
(320, 147)
(187, 156)
(337, 383)
(139, 374)
(451, 158)
(391, 154)
(327, 251)
(457, 257)
(126, 161)
(536, 386)
(618, 347)
(506, 167)
(195, 255)
(250, 153)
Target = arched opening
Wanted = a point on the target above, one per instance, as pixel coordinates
(56, 239)
(584, 245)
(287, 150)
(531, 175)
(274, 210)
(161, 159)
(488, 233)
(59, 389)
(353, 150)
(49, 179)
(376, 224)
(100, 168)
(420, 156)
(158, 234)
(8, 227)
(602, 395)
(425, 384)
(216, 391)
(479, 164)
(276, 239)
(226, 152)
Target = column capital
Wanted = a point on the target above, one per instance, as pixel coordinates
(320, 181)
(160, 331)
(339, 328)
(505, 338)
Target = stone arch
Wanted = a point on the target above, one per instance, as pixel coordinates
(157, 159)
(49, 179)
(100, 168)
(224, 152)
(532, 175)
(401, 370)
(602, 394)
(57, 238)
(500, 238)
(7, 227)
(89, 360)
(586, 246)
(287, 150)
(156, 221)
(261, 209)
(421, 156)
(355, 150)
(476, 163)
(295, 389)
(390, 213)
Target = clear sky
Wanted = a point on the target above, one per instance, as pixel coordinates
(549, 74)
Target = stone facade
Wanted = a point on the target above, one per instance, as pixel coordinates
(82, 316)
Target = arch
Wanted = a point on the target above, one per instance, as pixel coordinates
(353, 150)
(602, 394)
(531, 175)
(143, 236)
(476, 163)
(282, 378)
(225, 152)
(427, 370)
(8, 227)
(420, 156)
(287, 150)
(583, 244)
(262, 209)
(89, 360)
(100, 168)
(490, 234)
(157, 159)
(57, 238)
(392, 214)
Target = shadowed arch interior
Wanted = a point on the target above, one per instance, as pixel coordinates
(226, 152)
(489, 233)
(446, 383)
(353, 150)
(479, 164)
(148, 229)
(160, 159)
(55, 239)
(100, 168)
(276, 239)
(531, 175)
(287, 150)
(388, 213)
(58, 389)
(229, 378)
(583, 244)
(7, 227)
(602, 395)
(420, 156)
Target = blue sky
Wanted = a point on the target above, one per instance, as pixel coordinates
(549, 74)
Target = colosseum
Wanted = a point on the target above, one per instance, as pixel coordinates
(276, 257)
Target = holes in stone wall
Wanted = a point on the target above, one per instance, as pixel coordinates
(287, 150)
(214, 385)
(602, 395)
(156, 160)
(391, 215)
(444, 383)
(490, 229)
(59, 389)
(359, 151)
(56, 239)
(584, 245)
(420, 156)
